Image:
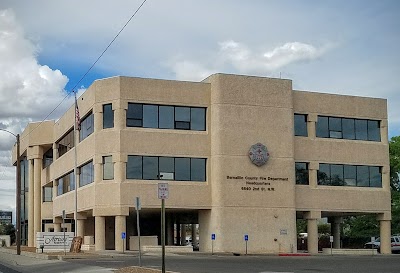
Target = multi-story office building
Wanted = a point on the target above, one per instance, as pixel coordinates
(242, 155)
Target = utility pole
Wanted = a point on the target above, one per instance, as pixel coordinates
(18, 190)
(18, 195)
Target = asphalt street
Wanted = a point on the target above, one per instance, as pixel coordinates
(258, 264)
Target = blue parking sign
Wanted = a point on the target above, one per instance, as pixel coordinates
(123, 235)
(246, 237)
(213, 236)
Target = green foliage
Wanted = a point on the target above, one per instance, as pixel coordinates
(361, 226)
(301, 225)
(324, 229)
(8, 229)
(394, 154)
(395, 212)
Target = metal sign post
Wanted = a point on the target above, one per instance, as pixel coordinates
(138, 207)
(331, 241)
(63, 218)
(123, 236)
(246, 239)
(212, 243)
(163, 194)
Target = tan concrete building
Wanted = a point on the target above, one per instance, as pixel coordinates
(242, 155)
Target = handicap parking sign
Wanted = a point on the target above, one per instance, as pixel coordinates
(246, 237)
(123, 235)
(213, 236)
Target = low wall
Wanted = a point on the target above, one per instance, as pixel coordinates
(344, 251)
(53, 241)
(144, 241)
(168, 249)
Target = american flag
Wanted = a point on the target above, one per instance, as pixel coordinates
(77, 118)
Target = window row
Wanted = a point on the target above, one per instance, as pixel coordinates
(166, 168)
(342, 128)
(166, 117)
(341, 175)
(66, 183)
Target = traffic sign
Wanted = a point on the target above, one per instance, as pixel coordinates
(213, 236)
(163, 191)
(246, 237)
(138, 205)
(123, 235)
(331, 239)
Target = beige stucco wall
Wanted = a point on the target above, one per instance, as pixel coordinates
(241, 111)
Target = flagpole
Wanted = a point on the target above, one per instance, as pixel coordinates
(75, 167)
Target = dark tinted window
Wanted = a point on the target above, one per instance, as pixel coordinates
(361, 129)
(182, 169)
(108, 116)
(150, 116)
(301, 173)
(350, 175)
(300, 125)
(324, 174)
(150, 168)
(86, 174)
(337, 175)
(166, 117)
(362, 176)
(66, 143)
(182, 118)
(87, 127)
(335, 127)
(166, 168)
(374, 132)
(198, 119)
(375, 178)
(348, 128)
(198, 169)
(322, 127)
(134, 115)
(134, 167)
(108, 168)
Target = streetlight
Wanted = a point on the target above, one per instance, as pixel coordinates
(18, 195)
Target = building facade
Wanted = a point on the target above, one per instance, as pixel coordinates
(242, 155)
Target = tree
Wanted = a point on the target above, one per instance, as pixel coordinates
(394, 155)
(8, 229)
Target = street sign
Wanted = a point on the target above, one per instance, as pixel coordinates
(138, 205)
(213, 236)
(163, 191)
(331, 239)
(123, 235)
(63, 214)
(246, 237)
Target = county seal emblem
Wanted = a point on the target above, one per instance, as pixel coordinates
(258, 154)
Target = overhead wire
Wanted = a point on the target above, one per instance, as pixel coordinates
(90, 68)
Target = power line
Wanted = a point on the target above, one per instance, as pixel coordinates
(90, 68)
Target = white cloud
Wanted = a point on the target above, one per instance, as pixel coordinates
(240, 58)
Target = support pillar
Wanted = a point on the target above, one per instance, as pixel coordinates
(178, 233)
(335, 226)
(385, 236)
(37, 164)
(100, 233)
(194, 235)
(183, 234)
(312, 231)
(311, 122)
(120, 226)
(80, 228)
(57, 227)
(170, 230)
(31, 232)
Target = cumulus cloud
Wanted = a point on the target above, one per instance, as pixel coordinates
(28, 92)
(240, 58)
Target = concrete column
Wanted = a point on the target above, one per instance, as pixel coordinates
(313, 174)
(335, 226)
(120, 118)
(178, 233)
(100, 233)
(194, 234)
(311, 125)
(169, 232)
(385, 231)
(384, 131)
(55, 151)
(183, 234)
(120, 226)
(31, 233)
(37, 163)
(80, 228)
(119, 171)
(98, 118)
(57, 227)
(312, 239)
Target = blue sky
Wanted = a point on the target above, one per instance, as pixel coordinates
(343, 47)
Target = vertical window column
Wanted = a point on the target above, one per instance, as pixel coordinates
(120, 109)
(311, 125)
(97, 118)
(313, 174)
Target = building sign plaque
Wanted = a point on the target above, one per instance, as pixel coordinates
(258, 154)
